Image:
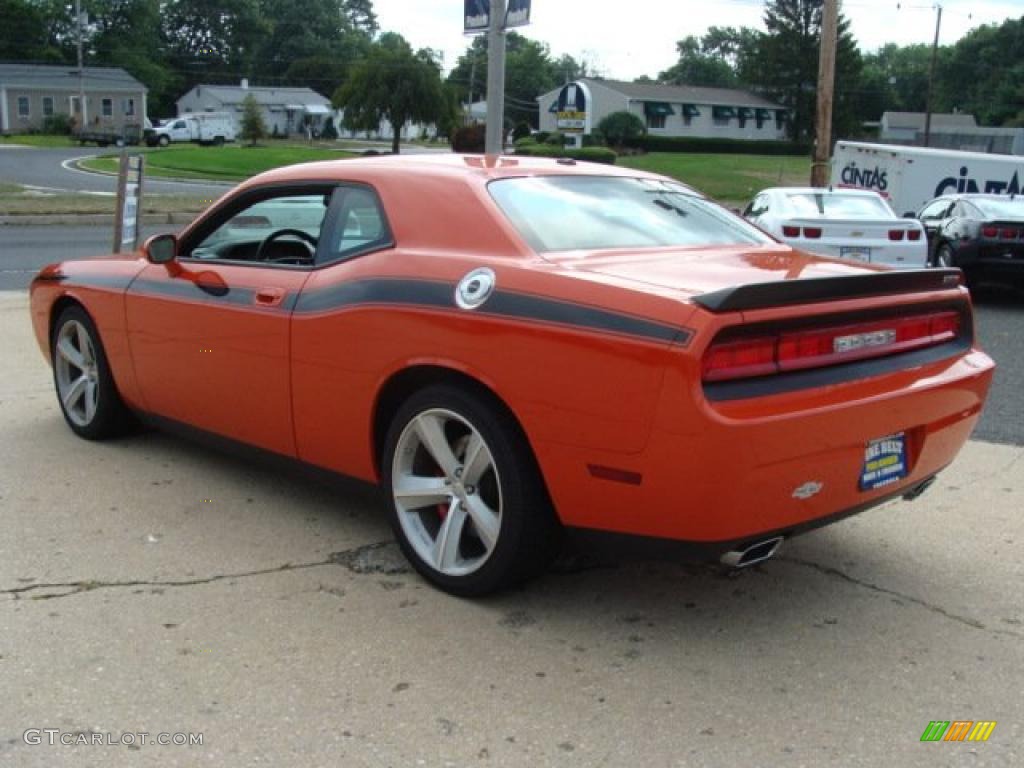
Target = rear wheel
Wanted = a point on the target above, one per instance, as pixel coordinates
(468, 505)
(163, 141)
(85, 387)
(944, 256)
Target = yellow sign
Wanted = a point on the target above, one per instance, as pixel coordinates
(571, 120)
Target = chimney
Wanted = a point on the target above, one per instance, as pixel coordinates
(245, 83)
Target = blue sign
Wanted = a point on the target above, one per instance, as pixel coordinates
(478, 14)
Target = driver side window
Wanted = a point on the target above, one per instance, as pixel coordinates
(283, 229)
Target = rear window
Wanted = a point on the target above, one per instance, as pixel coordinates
(839, 206)
(995, 208)
(568, 213)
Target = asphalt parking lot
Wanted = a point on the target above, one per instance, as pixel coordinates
(153, 586)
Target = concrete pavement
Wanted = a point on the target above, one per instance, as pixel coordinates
(149, 585)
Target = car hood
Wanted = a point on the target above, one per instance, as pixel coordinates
(693, 271)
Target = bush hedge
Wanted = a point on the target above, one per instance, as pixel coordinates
(719, 146)
(588, 154)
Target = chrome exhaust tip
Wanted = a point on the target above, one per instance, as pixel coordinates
(755, 553)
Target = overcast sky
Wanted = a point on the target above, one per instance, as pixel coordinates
(630, 38)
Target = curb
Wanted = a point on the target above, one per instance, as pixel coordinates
(91, 219)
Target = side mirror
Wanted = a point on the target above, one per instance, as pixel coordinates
(160, 249)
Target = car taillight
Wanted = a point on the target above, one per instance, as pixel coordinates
(896, 235)
(812, 233)
(819, 347)
(914, 235)
(1009, 234)
(990, 231)
(790, 231)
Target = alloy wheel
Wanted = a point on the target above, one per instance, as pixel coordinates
(77, 373)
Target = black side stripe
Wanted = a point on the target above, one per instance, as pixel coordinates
(520, 306)
(419, 293)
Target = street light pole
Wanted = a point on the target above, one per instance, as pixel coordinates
(495, 140)
(81, 71)
(931, 80)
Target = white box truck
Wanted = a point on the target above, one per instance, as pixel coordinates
(908, 177)
(202, 128)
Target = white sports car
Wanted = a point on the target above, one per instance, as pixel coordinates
(847, 223)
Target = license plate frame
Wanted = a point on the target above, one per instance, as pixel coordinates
(856, 252)
(885, 462)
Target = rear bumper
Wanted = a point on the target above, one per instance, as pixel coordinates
(714, 474)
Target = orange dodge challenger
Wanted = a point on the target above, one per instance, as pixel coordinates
(515, 348)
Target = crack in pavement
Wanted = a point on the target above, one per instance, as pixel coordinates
(368, 558)
(830, 571)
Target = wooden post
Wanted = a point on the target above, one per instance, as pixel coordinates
(931, 79)
(826, 87)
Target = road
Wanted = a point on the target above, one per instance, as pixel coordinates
(148, 585)
(46, 168)
(999, 313)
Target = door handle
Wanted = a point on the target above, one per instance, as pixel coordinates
(269, 297)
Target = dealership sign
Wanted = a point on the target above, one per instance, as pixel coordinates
(478, 14)
(571, 112)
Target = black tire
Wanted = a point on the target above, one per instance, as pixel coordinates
(163, 141)
(944, 256)
(111, 417)
(218, 141)
(528, 533)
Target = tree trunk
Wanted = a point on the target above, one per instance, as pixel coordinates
(396, 136)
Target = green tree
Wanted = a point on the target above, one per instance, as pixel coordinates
(253, 127)
(786, 66)
(23, 35)
(695, 67)
(395, 84)
(983, 73)
(621, 127)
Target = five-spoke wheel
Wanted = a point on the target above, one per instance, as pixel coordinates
(85, 387)
(469, 508)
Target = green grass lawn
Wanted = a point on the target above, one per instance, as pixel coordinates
(38, 140)
(15, 200)
(229, 163)
(731, 178)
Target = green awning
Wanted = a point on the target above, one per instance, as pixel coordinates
(658, 109)
(764, 114)
(723, 113)
(745, 113)
(554, 106)
(780, 114)
(690, 110)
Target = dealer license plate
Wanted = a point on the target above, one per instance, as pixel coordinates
(855, 252)
(885, 462)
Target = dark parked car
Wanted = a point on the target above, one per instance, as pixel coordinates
(981, 234)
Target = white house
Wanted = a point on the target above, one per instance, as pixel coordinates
(950, 131)
(667, 110)
(285, 110)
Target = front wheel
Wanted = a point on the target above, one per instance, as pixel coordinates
(163, 141)
(468, 506)
(85, 387)
(944, 256)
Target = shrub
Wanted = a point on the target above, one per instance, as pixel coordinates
(621, 128)
(541, 137)
(555, 139)
(595, 139)
(253, 127)
(57, 125)
(329, 131)
(470, 138)
(521, 131)
(719, 146)
(525, 141)
(588, 154)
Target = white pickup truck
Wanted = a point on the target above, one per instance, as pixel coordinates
(908, 177)
(201, 128)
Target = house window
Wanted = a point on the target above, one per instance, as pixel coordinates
(722, 115)
(129, 107)
(744, 114)
(76, 105)
(47, 106)
(657, 122)
(108, 107)
(23, 110)
(656, 113)
(690, 111)
(780, 119)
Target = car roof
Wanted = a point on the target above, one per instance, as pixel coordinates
(446, 165)
(822, 191)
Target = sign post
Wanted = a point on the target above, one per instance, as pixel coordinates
(494, 17)
(129, 203)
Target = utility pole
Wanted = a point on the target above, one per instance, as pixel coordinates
(495, 140)
(81, 70)
(931, 80)
(826, 86)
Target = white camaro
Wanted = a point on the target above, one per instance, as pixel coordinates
(848, 223)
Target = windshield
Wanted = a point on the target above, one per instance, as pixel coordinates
(567, 213)
(839, 206)
(1001, 208)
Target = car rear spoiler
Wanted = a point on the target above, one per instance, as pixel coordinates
(782, 293)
